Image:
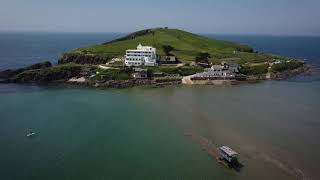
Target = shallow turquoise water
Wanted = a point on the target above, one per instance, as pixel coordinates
(138, 133)
(89, 134)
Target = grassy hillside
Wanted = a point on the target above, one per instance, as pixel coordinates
(186, 46)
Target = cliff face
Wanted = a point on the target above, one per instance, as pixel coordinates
(83, 59)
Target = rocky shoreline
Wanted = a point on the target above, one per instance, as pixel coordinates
(118, 84)
(78, 75)
(290, 74)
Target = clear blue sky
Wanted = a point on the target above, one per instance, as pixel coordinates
(290, 17)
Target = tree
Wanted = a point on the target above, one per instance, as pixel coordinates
(167, 49)
(202, 57)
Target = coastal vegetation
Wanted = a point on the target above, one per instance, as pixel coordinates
(285, 66)
(44, 74)
(264, 68)
(114, 74)
(202, 57)
(254, 69)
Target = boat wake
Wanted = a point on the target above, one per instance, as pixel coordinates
(212, 150)
(296, 172)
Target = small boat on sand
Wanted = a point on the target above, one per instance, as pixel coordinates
(228, 154)
(229, 158)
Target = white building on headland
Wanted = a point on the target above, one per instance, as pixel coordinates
(223, 71)
(143, 55)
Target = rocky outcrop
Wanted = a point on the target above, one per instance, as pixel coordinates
(9, 73)
(83, 59)
(47, 75)
(289, 73)
(122, 83)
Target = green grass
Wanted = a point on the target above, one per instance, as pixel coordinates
(114, 74)
(186, 45)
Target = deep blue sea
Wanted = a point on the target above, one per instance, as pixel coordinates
(21, 49)
(303, 47)
(140, 133)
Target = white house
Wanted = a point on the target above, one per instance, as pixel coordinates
(143, 55)
(224, 71)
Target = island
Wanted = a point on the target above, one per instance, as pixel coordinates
(158, 56)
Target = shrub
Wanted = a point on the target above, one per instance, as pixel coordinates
(254, 69)
(186, 71)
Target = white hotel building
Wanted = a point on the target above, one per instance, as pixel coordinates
(143, 55)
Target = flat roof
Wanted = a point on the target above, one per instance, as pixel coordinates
(228, 151)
